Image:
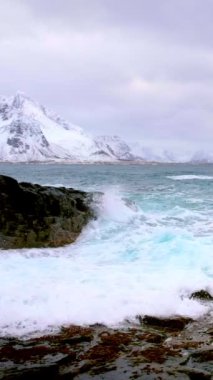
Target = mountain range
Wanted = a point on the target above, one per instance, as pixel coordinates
(30, 132)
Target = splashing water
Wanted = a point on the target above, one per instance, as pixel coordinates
(148, 250)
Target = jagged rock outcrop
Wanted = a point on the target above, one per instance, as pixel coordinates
(40, 216)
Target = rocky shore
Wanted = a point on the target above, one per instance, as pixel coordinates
(40, 216)
(154, 348)
(150, 348)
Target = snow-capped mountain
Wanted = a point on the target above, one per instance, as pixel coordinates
(30, 132)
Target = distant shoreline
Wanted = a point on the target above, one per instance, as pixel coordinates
(104, 163)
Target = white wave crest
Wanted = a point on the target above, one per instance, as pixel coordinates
(189, 177)
(116, 207)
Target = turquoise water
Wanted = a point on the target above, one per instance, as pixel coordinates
(149, 248)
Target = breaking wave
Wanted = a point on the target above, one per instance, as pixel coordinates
(128, 261)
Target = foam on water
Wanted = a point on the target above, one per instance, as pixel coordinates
(128, 261)
(189, 177)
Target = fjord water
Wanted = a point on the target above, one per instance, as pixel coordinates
(149, 248)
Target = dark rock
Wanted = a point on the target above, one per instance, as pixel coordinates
(175, 323)
(201, 359)
(210, 331)
(152, 337)
(196, 374)
(46, 372)
(40, 216)
(203, 356)
(202, 295)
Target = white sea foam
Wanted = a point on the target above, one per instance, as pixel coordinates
(190, 177)
(115, 207)
(125, 263)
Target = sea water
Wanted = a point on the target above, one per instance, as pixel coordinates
(149, 248)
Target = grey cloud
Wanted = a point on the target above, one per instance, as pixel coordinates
(141, 69)
(188, 21)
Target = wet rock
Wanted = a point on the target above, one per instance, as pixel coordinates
(108, 350)
(102, 353)
(201, 360)
(97, 352)
(49, 372)
(202, 295)
(203, 356)
(210, 331)
(117, 339)
(195, 374)
(175, 323)
(40, 216)
(155, 353)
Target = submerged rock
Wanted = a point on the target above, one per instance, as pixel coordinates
(32, 215)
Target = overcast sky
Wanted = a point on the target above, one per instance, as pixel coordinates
(142, 69)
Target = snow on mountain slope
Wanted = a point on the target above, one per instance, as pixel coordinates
(202, 157)
(113, 146)
(19, 139)
(65, 141)
(178, 154)
(149, 154)
(60, 133)
(30, 132)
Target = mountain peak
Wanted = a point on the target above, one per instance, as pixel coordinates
(19, 99)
